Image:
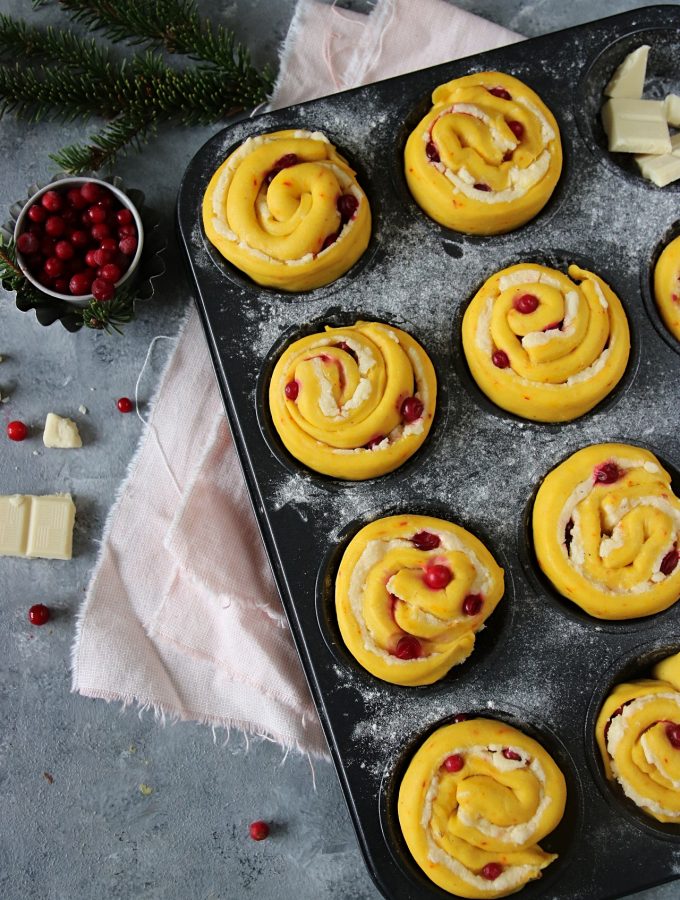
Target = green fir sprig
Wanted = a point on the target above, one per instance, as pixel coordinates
(63, 76)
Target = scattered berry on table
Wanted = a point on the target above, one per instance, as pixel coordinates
(39, 614)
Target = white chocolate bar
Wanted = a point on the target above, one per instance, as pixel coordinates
(629, 79)
(671, 107)
(636, 126)
(61, 433)
(662, 170)
(37, 526)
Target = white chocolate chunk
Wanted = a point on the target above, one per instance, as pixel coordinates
(629, 79)
(671, 106)
(662, 170)
(37, 526)
(636, 126)
(61, 433)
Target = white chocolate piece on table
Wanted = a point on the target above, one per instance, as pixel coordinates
(629, 79)
(636, 126)
(661, 170)
(61, 433)
(671, 106)
(33, 526)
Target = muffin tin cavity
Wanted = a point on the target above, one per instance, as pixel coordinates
(563, 840)
(336, 319)
(559, 260)
(647, 266)
(488, 640)
(636, 664)
(663, 77)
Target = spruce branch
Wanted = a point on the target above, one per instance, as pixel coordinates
(110, 316)
(105, 146)
(19, 40)
(11, 276)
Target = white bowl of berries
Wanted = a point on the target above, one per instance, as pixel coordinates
(79, 239)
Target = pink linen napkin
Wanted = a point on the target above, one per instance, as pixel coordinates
(182, 615)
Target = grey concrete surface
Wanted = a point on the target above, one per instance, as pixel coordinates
(74, 822)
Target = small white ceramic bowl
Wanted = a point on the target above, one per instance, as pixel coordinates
(65, 184)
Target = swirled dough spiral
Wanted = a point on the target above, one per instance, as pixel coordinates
(606, 528)
(638, 734)
(287, 210)
(544, 345)
(486, 157)
(393, 623)
(353, 402)
(667, 286)
(476, 799)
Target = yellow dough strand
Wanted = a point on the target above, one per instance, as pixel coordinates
(667, 286)
(411, 593)
(486, 157)
(476, 799)
(287, 210)
(638, 735)
(353, 402)
(544, 345)
(606, 527)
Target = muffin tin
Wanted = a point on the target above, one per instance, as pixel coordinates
(537, 665)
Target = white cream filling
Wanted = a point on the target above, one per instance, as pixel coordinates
(537, 338)
(512, 876)
(618, 726)
(374, 552)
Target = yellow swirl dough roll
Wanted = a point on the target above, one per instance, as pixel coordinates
(286, 209)
(667, 286)
(353, 402)
(638, 734)
(411, 593)
(544, 345)
(606, 526)
(474, 802)
(486, 157)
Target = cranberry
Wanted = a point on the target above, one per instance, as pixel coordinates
(460, 717)
(569, 527)
(105, 202)
(526, 303)
(90, 260)
(96, 215)
(55, 226)
(454, 763)
(17, 431)
(128, 245)
(64, 250)
(125, 405)
(500, 92)
(673, 735)
(425, 540)
(110, 244)
(553, 325)
(99, 232)
(52, 201)
(437, 577)
(431, 152)
(510, 754)
(79, 238)
(47, 246)
(127, 231)
(259, 831)
(290, 159)
(124, 217)
(75, 199)
(607, 473)
(491, 871)
(343, 345)
(472, 605)
(102, 257)
(110, 272)
(347, 205)
(500, 359)
(480, 186)
(669, 562)
(37, 213)
(91, 192)
(291, 390)
(54, 267)
(517, 129)
(39, 614)
(80, 283)
(507, 156)
(378, 439)
(102, 290)
(70, 216)
(28, 243)
(61, 285)
(411, 409)
(328, 240)
(408, 647)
